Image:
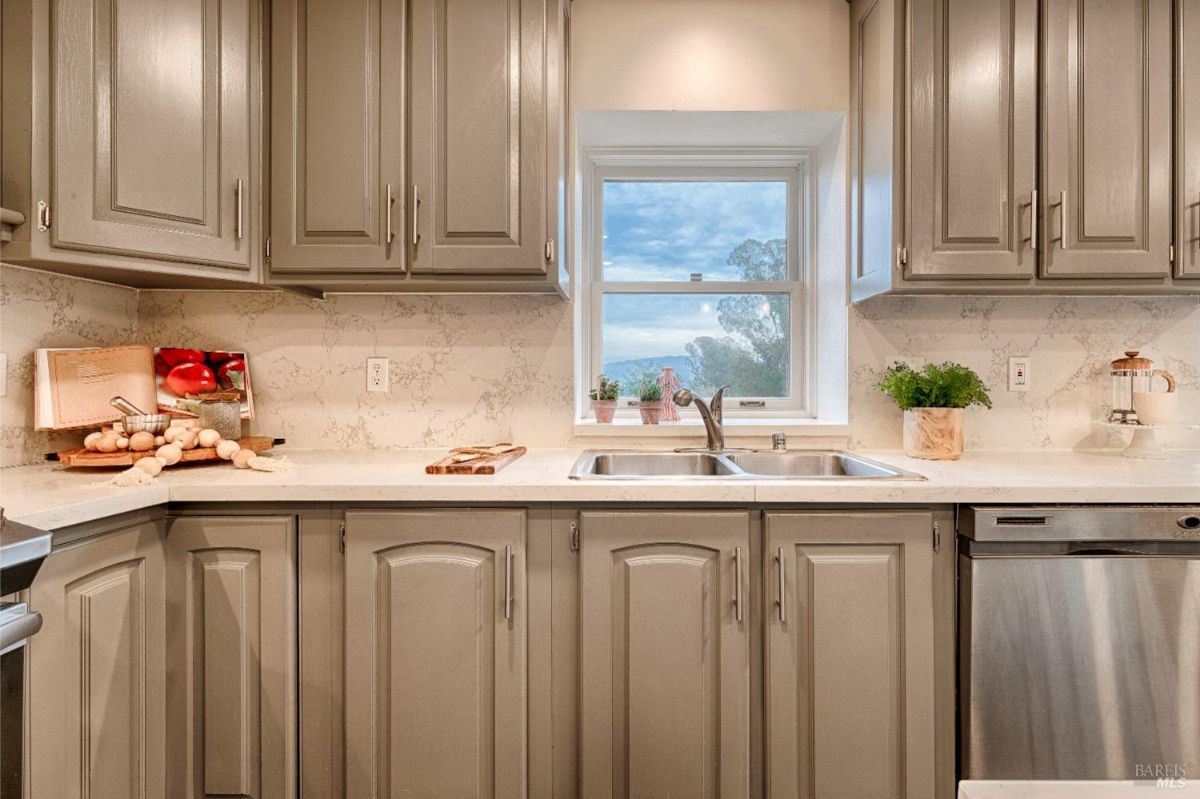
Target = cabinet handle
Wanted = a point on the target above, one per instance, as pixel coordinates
(782, 586)
(1062, 219)
(388, 236)
(508, 587)
(237, 225)
(1033, 221)
(416, 220)
(737, 582)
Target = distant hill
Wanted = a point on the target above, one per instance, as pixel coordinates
(622, 369)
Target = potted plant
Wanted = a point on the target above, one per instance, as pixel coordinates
(604, 399)
(649, 395)
(933, 400)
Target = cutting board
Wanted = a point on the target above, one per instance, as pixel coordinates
(80, 457)
(486, 464)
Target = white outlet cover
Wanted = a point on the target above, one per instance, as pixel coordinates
(377, 375)
(1018, 373)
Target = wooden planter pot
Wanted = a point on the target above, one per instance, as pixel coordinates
(934, 433)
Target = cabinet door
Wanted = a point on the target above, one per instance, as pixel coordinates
(972, 138)
(231, 656)
(876, 144)
(664, 654)
(155, 135)
(479, 89)
(1106, 138)
(435, 667)
(849, 660)
(337, 136)
(1187, 115)
(96, 670)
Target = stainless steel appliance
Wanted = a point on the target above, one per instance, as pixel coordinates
(22, 550)
(1079, 642)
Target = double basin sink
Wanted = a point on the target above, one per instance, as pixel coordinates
(733, 465)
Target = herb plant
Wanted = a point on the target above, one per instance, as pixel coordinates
(947, 385)
(606, 390)
(646, 386)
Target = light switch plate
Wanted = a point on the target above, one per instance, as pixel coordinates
(377, 375)
(1018, 373)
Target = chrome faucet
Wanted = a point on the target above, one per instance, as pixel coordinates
(711, 413)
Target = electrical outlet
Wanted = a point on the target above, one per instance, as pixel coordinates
(377, 375)
(1018, 373)
(914, 362)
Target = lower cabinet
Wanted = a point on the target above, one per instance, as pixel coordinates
(96, 682)
(850, 655)
(231, 655)
(435, 664)
(165, 666)
(664, 663)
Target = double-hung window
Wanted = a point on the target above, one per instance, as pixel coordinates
(698, 262)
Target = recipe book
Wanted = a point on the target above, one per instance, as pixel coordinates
(73, 386)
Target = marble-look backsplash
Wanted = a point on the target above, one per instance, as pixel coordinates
(38, 309)
(478, 368)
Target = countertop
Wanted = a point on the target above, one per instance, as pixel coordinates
(51, 497)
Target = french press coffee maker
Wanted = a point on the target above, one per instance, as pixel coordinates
(1129, 374)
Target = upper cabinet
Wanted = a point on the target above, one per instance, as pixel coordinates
(131, 138)
(337, 144)
(477, 118)
(1106, 139)
(1187, 132)
(951, 113)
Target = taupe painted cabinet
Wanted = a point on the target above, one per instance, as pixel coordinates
(470, 95)
(945, 144)
(166, 666)
(231, 656)
(435, 666)
(96, 672)
(850, 655)
(131, 138)
(664, 663)
(1187, 131)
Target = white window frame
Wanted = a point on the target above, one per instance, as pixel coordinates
(791, 165)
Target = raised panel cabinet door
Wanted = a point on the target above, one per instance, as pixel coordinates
(96, 688)
(155, 149)
(972, 139)
(480, 134)
(1106, 138)
(436, 619)
(664, 654)
(849, 655)
(876, 144)
(231, 644)
(1187, 116)
(337, 136)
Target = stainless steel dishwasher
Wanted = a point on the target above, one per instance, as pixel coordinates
(1079, 642)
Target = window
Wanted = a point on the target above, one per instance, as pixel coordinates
(698, 263)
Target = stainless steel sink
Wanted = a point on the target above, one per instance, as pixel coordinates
(734, 465)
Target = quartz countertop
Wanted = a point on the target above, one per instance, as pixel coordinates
(51, 497)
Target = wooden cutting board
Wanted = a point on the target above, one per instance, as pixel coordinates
(485, 464)
(80, 457)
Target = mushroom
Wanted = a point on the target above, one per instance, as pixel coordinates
(241, 458)
(141, 441)
(208, 438)
(226, 449)
(151, 466)
(169, 454)
(92, 440)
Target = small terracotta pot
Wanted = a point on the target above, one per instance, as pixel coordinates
(651, 411)
(934, 433)
(603, 410)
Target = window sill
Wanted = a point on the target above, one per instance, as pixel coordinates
(734, 428)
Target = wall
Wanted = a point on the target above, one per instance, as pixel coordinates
(42, 310)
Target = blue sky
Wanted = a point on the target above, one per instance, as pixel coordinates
(663, 231)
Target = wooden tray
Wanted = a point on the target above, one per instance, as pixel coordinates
(488, 464)
(80, 457)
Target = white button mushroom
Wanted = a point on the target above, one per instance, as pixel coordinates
(226, 449)
(151, 466)
(209, 438)
(170, 454)
(241, 458)
(141, 441)
(92, 440)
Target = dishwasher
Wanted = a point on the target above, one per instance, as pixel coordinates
(1079, 643)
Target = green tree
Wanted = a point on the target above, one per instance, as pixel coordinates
(753, 356)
